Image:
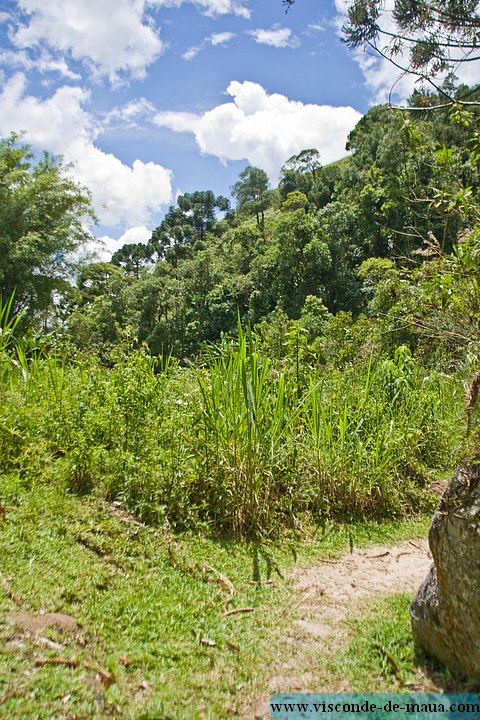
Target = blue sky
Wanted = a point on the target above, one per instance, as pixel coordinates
(152, 98)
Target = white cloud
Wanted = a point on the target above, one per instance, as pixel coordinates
(221, 38)
(131, 113)
(216, 39)
(116, 39)
(191, 52)
(265, 129)
(276, 37)
(210, 7)
(105, 246)
(139, 234)
(121, 194)
(179, 121)
(45, 62)
(111, 36)
(16, 59)
(52, 124)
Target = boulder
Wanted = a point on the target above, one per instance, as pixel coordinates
(445, 612)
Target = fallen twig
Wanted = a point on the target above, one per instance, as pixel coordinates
(237, 610)
(107, 678)
(11, 594)
(391, 662)
(220, 578)
(415, 545)
(7, 695)
(379, 555)
(400, 555)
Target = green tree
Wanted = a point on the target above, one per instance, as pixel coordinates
(43, 213)
(200, 207)
(295, 263)
(134, 256)
(195, 215)
(432, 35)
(300, 173)
(251, 193)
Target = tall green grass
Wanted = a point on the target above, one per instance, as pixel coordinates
(235, 446)
(375, 437)
(12, 346)
(245, 443)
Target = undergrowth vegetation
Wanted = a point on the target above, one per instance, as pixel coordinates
(236, 444)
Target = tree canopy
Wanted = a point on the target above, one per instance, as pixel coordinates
(434, 36)
(428, 38)
(43, 213)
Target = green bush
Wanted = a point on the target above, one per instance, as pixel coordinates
(239, 445)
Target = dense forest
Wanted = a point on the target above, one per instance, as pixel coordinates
(295, 354)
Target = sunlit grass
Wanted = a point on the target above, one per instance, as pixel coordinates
(235, 447)
(150, 605)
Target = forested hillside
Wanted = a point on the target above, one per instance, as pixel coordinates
(287, 365)
(295, 354)
(299, 255)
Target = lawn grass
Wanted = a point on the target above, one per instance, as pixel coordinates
(381, 655)
(150, 608)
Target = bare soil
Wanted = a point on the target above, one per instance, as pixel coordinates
(37, 623)
(328, 593)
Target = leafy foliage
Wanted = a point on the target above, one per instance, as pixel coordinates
(358, 286)
(435, 36)
(42, 216)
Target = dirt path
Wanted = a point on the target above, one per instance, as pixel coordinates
(328, 593)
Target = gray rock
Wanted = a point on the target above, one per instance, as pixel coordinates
(445, 612)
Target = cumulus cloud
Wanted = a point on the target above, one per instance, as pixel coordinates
(265, 129)
(122, 194)
(105, 246)
(116, 39)
(276, 37)
(110, 36)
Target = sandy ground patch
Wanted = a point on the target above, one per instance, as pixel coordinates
(328, 592)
